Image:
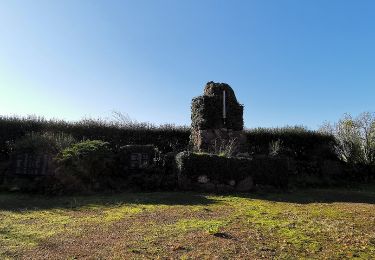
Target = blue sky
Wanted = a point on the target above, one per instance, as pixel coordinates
(297, 62)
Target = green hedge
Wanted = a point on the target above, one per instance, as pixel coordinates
(166, 138)
(296, 142)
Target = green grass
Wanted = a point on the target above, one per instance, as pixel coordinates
(311, 224)
(210, 226)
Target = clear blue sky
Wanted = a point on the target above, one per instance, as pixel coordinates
(289, 62)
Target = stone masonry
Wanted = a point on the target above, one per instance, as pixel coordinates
(210, 130)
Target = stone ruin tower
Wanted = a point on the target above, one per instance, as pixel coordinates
(217, 120)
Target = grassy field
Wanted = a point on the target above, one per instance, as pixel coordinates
(317, 224)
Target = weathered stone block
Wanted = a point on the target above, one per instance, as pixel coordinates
(213, 140)
(136, 156)
(31, 164)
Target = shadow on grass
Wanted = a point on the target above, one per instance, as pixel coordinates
(19, 202)
(362, 194)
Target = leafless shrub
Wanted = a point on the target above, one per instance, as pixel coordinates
(275, 147)
(225, 148)
(355, 137)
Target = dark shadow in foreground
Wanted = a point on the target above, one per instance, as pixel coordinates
(21, 202)
(360, 194)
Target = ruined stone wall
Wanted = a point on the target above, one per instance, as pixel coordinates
(209, 131)
(207, 110)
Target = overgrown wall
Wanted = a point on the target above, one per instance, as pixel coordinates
(221, 170)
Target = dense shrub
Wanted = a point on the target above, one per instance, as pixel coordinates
(317, 173)
(355, 138)
(87, 162)
(272, 171)
(42, 143)
(34, 143)
(165, 137)
(295, 142)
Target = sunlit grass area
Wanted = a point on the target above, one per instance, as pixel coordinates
(318, 224)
